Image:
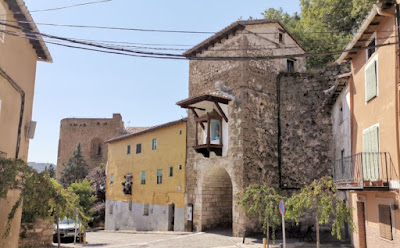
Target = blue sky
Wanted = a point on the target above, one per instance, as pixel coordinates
(88, 84)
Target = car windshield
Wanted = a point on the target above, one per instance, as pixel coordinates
(66, 221)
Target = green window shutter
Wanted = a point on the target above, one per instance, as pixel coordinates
(371, 81)
(371, 154)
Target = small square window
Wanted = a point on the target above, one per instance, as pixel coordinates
(159, 176)
(143, 177)
(128, 149)
(154, 144)
(171, 171)
(111, 178)
(180, 167)
(138, 148)
(290, 65)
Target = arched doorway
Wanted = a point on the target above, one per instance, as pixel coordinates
(217, 199)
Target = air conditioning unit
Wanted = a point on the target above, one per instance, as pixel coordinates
(30, 133)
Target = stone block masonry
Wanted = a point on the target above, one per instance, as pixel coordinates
(36, 235)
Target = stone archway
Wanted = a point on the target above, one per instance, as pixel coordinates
(217, 200)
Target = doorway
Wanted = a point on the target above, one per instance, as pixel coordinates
(362, 235)
(171, 217)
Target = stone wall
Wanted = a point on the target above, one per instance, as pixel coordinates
(90, 133)
(36, 235)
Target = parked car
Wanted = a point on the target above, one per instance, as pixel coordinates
(67, 229)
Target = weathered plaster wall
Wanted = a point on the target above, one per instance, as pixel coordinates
(121, 218)
(341, 124)
(84, 131)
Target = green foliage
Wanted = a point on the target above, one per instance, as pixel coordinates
(42, 196)
(262, 202)
(321, 196)
(75, 169)
(324, 25)
(51, 171)
(84, 192)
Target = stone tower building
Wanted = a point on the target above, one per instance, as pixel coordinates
(91, 133)
(255, 117)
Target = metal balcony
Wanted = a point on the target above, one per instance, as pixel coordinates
(367, 170)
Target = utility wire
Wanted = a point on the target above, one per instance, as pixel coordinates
(61, 8)
(164, 30)
(33, 35)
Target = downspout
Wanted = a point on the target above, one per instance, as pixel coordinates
(21, 112)
(397, 14)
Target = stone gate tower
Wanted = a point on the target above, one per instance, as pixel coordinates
(255, 117)
(91, 133)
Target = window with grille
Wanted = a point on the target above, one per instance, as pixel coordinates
(371, 81)
(385, 222)
(143, 177)
(159, 176)
(145, 209)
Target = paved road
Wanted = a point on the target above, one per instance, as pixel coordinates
(219, 239)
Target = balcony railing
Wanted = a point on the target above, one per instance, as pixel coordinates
(364, 170)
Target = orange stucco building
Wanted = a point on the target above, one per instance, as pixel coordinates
(370, 176)
(17, 81)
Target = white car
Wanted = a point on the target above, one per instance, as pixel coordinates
(67, 229)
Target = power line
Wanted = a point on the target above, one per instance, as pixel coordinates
(164, 30)
(61, 8)
(33, 35)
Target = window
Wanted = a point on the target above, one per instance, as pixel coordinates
(215, 131)
(143, 177)
(111, 178)
(180, 167)
(138, 148)
(154, 144)
(280, 38)
(159, 176)
(171, 171)
(128, 149)
(290, 65)
(3, 19)
(129, 178)
(385, 222)
(99, 149)
(371, 48)
(370, 159)
(127, 185)
(371, 80)
(145, 209)
(180, 132)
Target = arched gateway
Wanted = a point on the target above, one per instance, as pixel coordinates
(217, 200)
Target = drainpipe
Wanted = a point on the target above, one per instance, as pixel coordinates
(398, 75)
(21, 112)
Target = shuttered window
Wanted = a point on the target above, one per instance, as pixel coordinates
(385, 222)
(371, 82)
(371, 155)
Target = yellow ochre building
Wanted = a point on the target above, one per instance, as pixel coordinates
(146, 179)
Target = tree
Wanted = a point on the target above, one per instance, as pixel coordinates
(262, 202)
(55, 202)
(320, 196)
(75, 169)
(98, 178)
(84, 192)
(52, 171)
(324, 25)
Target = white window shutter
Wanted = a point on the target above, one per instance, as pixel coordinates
(371, 81)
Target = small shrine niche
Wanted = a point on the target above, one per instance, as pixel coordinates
(209, 118)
